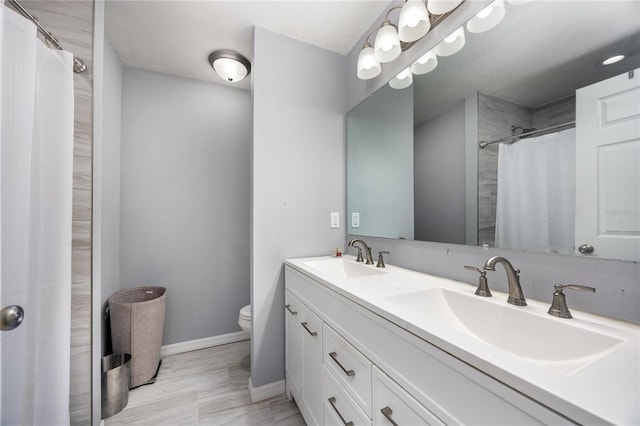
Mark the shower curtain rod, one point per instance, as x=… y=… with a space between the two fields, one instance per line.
x=533 y=132
x=78 y=64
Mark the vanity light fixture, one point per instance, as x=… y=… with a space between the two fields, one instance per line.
x=387 y=45
x=402 y=80
x=368 y=65
x=487 y=18
x=229 y=65
x=426 y=63
x=451 y=44
x=440 y=7
x=414 y=21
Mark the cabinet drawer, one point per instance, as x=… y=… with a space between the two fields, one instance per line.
x=349 y=366
x=393 y=405
x=338 y=407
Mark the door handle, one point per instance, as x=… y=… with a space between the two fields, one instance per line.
x=332 y=401
x=313 y=333
x=334 y=357
x=586 y=249
x=386 y=412
x=11 y=317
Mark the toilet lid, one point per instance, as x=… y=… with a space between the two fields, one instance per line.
x=246 y=312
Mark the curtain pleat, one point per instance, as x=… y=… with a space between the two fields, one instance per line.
x=536 y=194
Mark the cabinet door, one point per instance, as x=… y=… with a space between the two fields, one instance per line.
x=349 y=366
x=312 y=364
x=395 y=406
x=341 y=409
x=293 y=345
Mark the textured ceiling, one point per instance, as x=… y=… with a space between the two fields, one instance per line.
x=176 y=37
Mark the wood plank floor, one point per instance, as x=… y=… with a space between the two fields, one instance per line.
x=205 y=387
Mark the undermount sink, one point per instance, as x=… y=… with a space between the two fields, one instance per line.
x=344 y=268
x=514 y=329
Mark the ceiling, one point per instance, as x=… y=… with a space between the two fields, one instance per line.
x=176 y=37
x=542 y=51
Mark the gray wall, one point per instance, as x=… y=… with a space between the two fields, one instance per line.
x=439 y=158
x=185 y=199
x=110 y=180
x=554 y=113
x=298 y=177
x=380 y=164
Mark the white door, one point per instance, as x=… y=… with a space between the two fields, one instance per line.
x=608 y=168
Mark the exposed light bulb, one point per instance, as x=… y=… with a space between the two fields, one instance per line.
x=368 y=65
x=402 y=80
x=414 y=21
x=387 y=45
x=487 y=18
x=426 y=63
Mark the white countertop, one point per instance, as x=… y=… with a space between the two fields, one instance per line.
x=594 y=389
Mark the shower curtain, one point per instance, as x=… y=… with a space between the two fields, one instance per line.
x=536 y=194
x=36 y=163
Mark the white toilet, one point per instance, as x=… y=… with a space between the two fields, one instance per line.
x=244 y=320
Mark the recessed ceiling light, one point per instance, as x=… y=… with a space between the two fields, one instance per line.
x=613 y=59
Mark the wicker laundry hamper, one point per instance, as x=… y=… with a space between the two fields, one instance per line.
x=137 y=321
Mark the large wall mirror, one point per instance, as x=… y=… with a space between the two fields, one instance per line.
x=415 y=168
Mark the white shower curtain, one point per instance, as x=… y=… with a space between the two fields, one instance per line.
x=36 y=163
x=536 y=194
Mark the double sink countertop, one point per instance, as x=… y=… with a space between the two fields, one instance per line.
x=586 y=367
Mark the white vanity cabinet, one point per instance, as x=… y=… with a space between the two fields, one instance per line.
x=393 y=405
x=394 y=371
x=304 y=358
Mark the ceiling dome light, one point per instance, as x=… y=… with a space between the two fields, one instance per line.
x=402 y=80
x=414 y=21
x=368 y=65
x=426 y=63
x=613 y=59
x=487 y=18
x=230 y=65
x=440 y=7
x=452 y=44
x=387 y=45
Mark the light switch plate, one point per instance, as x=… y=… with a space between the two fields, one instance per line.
x=355 y=220
x=335 y=219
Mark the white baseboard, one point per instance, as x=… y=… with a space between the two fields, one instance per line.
x=207 y=342
x=265 y=392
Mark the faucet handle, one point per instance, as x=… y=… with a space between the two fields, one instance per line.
x=559 y=304
x=381 y=259
x=483 y=284
x=359 y=256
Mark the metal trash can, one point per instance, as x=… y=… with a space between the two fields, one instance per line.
x=137 y=322
x=115 y=383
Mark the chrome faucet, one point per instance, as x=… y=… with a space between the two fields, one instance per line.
x=559 y=304
x=367 y=250
x=513 y=279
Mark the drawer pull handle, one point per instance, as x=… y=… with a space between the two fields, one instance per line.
x=313 y=333
x=387 y=411
x=290 y=310
x=332 y=401
x=334 y=356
